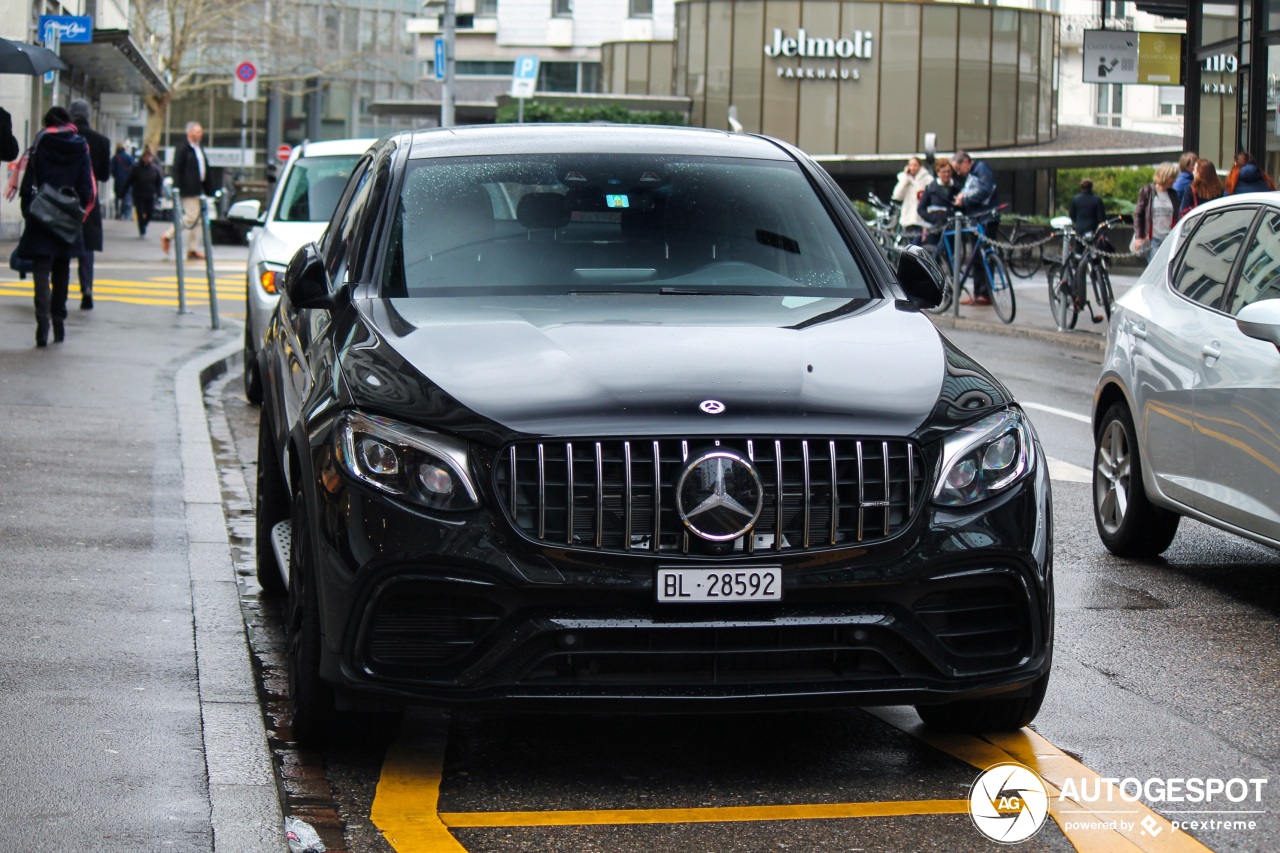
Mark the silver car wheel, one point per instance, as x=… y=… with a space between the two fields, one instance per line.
x=1111 y=477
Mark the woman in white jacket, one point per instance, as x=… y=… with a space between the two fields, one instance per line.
x=911 y=183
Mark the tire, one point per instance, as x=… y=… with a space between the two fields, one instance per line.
x=271 y=506
x=1061 y=305
x=1003 y=299
x=1026 y=257
x=311 y=705
x=998 y=714
x=1102 y=289
x=1128 y=523
x=252 y=379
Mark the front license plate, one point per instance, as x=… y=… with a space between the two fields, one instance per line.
x=728 y=584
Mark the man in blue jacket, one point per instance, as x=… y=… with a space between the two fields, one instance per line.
x=978 y=195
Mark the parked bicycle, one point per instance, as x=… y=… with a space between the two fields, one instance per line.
x=1082 y=267
x=885 y=229
x=977 y=254
x=1027 y=242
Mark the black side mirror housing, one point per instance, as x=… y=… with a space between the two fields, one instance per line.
x=307 y=281
x=921 y=277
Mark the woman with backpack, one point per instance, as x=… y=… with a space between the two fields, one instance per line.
x=59 y=158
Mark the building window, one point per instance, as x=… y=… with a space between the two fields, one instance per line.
x=1110 y=104
x=642 y=8
x=562 y=8
x=488 y=8
x=1172 y=101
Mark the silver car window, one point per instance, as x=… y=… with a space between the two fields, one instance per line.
x=1206 y=266
x=1260 y=275
x=631 y=222
x=313 y=187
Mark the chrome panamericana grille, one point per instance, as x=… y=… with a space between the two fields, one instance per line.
x=617 y=495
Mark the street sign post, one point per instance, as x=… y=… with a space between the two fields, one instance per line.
x=524 y=81
x=244 y=88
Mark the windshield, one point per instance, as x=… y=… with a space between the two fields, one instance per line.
x=312 y=188
x=590 y=223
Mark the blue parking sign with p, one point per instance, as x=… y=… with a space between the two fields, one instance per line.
x=526 y=68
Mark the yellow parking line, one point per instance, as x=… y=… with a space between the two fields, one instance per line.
x=408 y=793
x=723 y=814
x=1084 y=825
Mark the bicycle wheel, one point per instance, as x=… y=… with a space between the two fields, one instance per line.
x=1061 y=304
x=1102 y=289
x=944 y=264
x=1002 y=295
x=1025 y=257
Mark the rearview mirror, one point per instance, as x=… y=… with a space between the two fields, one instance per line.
x=921 y=277
x=1261 y=320
x=246 y=211
x=306 y=282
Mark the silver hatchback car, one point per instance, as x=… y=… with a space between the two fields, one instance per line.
x=298 y=212
x=1186 y=415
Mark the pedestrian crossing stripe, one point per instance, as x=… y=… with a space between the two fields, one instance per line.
x=158 y=291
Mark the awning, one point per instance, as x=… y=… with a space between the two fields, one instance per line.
x=113 y=62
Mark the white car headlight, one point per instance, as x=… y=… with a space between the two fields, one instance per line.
x=409 y=462
x=985 y=458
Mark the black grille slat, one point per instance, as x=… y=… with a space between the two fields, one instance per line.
x=617 y=495
x=986 y=621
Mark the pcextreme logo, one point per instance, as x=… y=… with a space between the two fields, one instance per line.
x=1008 y=803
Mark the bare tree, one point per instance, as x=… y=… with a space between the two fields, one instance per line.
x=196 y=42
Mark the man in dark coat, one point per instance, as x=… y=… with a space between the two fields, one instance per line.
x=193 y=177
x=1087 y=211
x=146 y=183
x=100 y=159
x=9 y=147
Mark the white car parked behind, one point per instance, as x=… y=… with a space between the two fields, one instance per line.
x=306 y=193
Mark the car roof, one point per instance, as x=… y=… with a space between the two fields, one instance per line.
x=335 y=147
x=1271 y=198
x=596 y=138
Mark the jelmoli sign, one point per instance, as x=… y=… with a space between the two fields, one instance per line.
x=804 y=46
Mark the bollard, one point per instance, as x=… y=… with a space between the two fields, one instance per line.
x=208 y=263
x=956 y=249
x=178 y=228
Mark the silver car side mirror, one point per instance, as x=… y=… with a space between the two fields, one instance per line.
x=1261 y=320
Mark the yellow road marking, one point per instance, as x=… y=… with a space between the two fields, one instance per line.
x=723 y=814
x=1082 y=823
x=408 y=794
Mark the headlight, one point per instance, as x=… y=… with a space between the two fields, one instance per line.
x=984 y=458
x=270 y=277
x=406 y=461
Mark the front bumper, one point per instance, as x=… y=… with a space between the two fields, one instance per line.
x=461 y=610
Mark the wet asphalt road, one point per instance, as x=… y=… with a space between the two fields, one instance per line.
x=1162 y=669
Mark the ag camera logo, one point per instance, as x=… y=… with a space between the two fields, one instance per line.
x=1008 y=803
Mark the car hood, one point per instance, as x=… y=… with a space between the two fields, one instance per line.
x=566 y=366
x=278 y=241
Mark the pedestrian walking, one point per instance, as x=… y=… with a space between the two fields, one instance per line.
x=59 y=157
x=100 y=159
x=1087 y=211
x=912 y=181
x=121 y=164
x=1205 y=186
x=193 y=178
x=9 y=147
x=145 y=184
x=1156 y=211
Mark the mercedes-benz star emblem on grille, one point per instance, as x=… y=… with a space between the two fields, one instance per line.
x=719 y=495
x=712 y=407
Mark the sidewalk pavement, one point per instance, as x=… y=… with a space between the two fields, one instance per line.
x=129 y=718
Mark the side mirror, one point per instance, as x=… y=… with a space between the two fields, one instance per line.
x=1261 y=320
x=249 y=211
x=306 y=282
x=921 y=277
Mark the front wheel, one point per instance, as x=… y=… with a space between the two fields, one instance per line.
x=252 y=379
x=1061 y=303
x=1003 y=299
x=271 y=507
x=940 y=255
x=998 y=714
x=1128 y=523
x=311 y=701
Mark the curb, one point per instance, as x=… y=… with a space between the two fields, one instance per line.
x=245 y=811
x=1076 y=340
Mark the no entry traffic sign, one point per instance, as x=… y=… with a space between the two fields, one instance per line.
x=282 y=152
